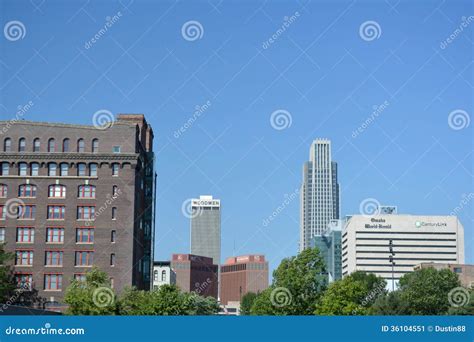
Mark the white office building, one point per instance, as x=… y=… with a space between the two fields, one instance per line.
x=163 y=274
x=319 y=193
x=390 y=245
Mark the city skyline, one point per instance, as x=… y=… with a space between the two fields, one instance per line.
x=235 y=113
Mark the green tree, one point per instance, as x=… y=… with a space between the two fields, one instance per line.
x=297 y=286
x=202 y=306
x=7 y=283
x=246 y=303
x=425 y=291
x=94 y=296
x=390 y=305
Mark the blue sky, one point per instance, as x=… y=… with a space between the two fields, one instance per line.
x=323 y=69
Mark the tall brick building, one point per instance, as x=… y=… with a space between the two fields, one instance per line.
x=73 y=197
x=243 y=274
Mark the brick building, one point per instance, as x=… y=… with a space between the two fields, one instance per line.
x=196 y=273
x=243 y=274
x=75 y=196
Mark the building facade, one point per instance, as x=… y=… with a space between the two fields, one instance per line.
x=319 y=193
x=196 y=273
x=465 y=272
x=329 y=245
x=206 y=228
x=163 y=274
x=391 y=245
x=242 y=274
x=73 y=197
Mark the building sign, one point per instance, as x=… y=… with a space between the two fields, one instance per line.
x=378 y=223
x=420 y=224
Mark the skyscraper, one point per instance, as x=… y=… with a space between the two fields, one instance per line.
x=206 y=228
x=319 y=194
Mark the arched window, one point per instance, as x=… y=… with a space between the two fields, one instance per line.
x=66 y=145
x=81 y=169
x=7 y=145
x=51 y=145
x=34 y=169
x=95 y=145
x=22 y=169
x=163 y=275
x=155 y=275
x=93 y=170
x=36 y=145
x=86 y=191
x=63 y=169
x=52 y=169
x=115 y=169
x=114 y=190
x=21 y=145
x=57 y=191
x=80 y=146
x=27 y=190
x=3 y=190
x=5 y=169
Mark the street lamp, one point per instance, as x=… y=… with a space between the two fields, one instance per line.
x=392 y=262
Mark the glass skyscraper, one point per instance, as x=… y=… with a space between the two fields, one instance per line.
x=329 y=245
x=319 y=193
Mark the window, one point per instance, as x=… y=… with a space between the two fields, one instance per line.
x=85 y=213
x=113 y=236
x=84 y=258
x=81 y=169
x=84 y=235
x=64 y=169
x=34 y=169
x=52 y=169
x=27 y=190
x=115 y=169
x=86 y=191
x=66 y=145
x=53 y=281
x=27 y=212
x=3 y=212
x=155 y=275
x=53 y=258
x=36 y=145
x=7 y=145
x=112 y=259
x=56 y=212
x=2 y=234
x=95 y=145
x=24 y=258
x=457 y=269
x=80 y=277
x=116 y=149
x=5 y=169
x=54 y=235
x=3 y=190
x=24 y=281
x=163 y=275
x=80 y=146
x=93 y=170
x=114 y=213
x=25 y=234
x=22 y=169
x=21 y=145
x=51 y=145
x=112 y=282
x=115 y=190
x=57 y=191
